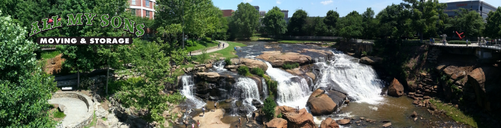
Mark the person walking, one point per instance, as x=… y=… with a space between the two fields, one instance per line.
x=223 y=45
x=215 y=105
x=203 y=111
x=239 y=121
x=198 y=123
x=192 y=125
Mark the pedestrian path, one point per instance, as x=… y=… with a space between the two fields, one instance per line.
x=211 y=49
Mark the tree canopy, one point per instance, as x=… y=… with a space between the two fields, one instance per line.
x=297 y=23
x=469 y=22
x=331 y=20
x=493 y=26
x=274 y=22
x=24 y=88
x=370 y=24
x=245 y=21
x=350 y=26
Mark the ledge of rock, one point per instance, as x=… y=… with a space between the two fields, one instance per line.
x=453 y=71
x=396 y=89
x=329 y=123
x=484 y=81
x=252 y=63
x=320 y=103
x=301 y=119
x=208 y=76
x=371 y=60
x=277 y=123
x=277 y=58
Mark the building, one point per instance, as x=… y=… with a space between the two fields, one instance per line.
x=262 y=13
x=227 y=13
x=286 y=13
x=480 y=6
x=143 y=8
x=257 y=8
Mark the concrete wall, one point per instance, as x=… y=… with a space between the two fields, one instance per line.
x=88 y=101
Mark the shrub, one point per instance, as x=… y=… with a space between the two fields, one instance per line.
x=290 y=66
x=269 y=108
x=257 y=71
x=227 y=61
x=243 y=70
x=272 y=85
x=208 y=39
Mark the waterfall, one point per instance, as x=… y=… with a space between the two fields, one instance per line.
x=219 y=66
x=292 y=90
x=246 y=90
x=359 y=81
x=265 y=88
x=187 y=91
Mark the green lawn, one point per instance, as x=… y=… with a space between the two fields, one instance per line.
x=59 y=114
x=229 y=52
x=257 y=37
x=49 y=55
x=198 y=45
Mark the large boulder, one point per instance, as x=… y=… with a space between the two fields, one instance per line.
x=329 y=123
x=277 y=58
x=209 y=76
x=453 y=71
x=252 y=63
x=371 y=60
x=320 y=103
x=396 y=89
x=277 y=123
x=301 y=119
x=484 y=81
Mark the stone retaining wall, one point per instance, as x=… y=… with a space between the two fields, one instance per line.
x=87 y=100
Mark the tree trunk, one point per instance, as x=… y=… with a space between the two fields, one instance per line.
x=78 y=78
x=107 y=77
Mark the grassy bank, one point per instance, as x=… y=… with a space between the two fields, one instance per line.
x=455 y=113
x=198 y=45
x=227 y=52
x=49 y=55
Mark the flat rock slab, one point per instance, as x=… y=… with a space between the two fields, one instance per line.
x=75 y=109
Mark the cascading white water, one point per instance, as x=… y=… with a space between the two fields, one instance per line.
x=265 y=88
x=219 y=66
x=292 y=90
x=359 y=81
x=246 y=90
x=187 y=91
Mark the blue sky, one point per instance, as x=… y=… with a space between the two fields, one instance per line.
x=320 y=7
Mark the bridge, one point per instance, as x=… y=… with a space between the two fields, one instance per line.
x=482 y=50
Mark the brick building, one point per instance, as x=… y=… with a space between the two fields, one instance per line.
x=143 y=8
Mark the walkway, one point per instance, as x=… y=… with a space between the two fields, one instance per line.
x=211 y=49
x=473 y=45
x=75 y=110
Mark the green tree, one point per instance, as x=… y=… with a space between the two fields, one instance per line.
x=24 y=87
x=350 y=26
x=469 y=22
x=331 y=20
x=269 y=108
x=394 y=22
x=274 y=22
x=317 y=27
x=370 y=24
x=493 y=26
x=297 y=23
x=244 y=21
x=425 y=16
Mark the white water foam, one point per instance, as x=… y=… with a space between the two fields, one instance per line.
x=359 y=81
x=293 y=91
x=187 y=91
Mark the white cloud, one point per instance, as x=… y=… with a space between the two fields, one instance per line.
x=326 y=2
x=278 y=2
x=247 y=1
